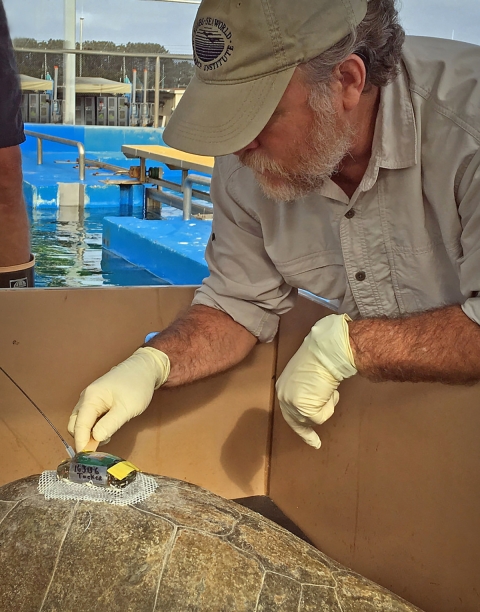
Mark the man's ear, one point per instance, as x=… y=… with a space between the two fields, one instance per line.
x=351 y=75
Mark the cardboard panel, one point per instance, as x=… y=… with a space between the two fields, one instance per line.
x=394 y=490
x=53 y=342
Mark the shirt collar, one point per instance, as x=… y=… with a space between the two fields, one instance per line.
x=395 y=137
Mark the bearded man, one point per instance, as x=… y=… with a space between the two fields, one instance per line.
x=347 y=164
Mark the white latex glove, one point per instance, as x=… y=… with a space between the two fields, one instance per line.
x=121 y=394
x=307 y=388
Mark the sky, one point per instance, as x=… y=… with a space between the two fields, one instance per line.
x=169 y=24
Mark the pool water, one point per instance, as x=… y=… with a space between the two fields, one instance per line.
x=67 y=243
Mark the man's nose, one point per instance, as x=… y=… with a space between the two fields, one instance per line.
x=253 y=145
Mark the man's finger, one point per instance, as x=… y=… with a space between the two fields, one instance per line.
x=91 y=445
x=326 y=411
x=306 y=433
x=86 y=413
x=82 y=438
x=109 y=424
x=71 y=423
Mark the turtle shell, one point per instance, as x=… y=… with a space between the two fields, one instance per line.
x=183 y=549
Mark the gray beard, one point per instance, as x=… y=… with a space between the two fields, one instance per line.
x=319 y=158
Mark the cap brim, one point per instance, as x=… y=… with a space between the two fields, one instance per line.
x=218 y=119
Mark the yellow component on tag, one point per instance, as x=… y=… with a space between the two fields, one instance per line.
x=122 y=470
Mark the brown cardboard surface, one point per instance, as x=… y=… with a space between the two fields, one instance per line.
x=53 y=342
x=394 y=492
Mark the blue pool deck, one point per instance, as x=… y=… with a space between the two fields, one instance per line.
x=170 y=249
x=42 y=183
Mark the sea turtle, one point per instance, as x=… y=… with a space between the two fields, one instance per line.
x=183 y=549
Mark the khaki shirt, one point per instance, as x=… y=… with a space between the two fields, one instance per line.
x=409 y=238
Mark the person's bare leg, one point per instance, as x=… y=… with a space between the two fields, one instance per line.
x=14 y=226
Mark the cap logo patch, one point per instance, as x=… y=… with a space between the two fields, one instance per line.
x=212 y=43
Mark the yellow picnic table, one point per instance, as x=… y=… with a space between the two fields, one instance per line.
x=173 y=158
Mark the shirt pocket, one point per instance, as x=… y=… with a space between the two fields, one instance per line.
x=321 y=273
x=429 y=277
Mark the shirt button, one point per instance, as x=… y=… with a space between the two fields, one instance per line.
x=360 y=276
x=350 y=213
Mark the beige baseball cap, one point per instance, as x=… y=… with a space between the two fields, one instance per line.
x=245 y=53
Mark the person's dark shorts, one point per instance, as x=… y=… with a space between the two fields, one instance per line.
x=11 y=122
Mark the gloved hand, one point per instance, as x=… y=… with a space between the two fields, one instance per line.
x=121 y=394
x=307 y=388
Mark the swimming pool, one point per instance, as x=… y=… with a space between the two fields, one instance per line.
x=67 y=243
x=66 y=227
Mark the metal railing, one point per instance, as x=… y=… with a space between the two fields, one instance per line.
x=70 y=143
x=81 y=52
x=187 y=192
x=183 y=203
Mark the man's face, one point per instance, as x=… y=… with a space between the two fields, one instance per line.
x=301 y=146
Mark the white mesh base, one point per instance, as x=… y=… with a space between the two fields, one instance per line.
x=52 y=488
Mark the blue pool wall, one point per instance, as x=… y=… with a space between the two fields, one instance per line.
x=41 y=183
x=96 y=138
x=171 y=249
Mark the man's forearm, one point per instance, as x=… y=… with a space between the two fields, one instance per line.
x=14 y=227
x=440 y=345
x=203 y=342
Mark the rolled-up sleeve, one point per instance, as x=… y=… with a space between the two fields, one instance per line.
x=469 y=211
x=243 y=281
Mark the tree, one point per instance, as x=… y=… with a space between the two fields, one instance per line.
x=173 y=73
x=33 y=64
